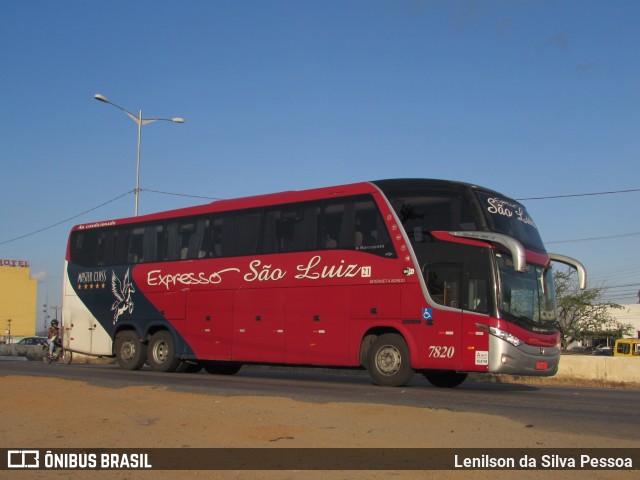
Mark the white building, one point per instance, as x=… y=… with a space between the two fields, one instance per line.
x=630 y=313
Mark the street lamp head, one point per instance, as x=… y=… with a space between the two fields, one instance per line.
x=140 y=121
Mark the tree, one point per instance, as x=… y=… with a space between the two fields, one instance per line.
x=582 y=314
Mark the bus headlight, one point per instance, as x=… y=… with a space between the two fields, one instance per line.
x=515 y=341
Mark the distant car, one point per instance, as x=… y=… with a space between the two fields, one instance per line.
x=33 y=341
x=604 y=351
x=580 y=350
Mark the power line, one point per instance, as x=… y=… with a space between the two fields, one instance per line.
x=608 y=237
x=179 y=194
x=215 y=198
x=65 y=220
x=613 y=192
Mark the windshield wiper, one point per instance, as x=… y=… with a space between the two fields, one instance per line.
x=529 y=323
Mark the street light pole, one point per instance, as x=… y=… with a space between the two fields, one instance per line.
x=140 y=121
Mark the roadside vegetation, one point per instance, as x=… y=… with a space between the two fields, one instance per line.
x=583 y=315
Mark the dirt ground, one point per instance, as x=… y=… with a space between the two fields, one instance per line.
x=54 y=413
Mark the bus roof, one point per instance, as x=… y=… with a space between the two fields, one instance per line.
x=256 y=201
x=291 y=196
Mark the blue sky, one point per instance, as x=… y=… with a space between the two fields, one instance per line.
x=530 y=98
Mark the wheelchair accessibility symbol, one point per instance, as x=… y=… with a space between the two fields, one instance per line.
x=427 y=313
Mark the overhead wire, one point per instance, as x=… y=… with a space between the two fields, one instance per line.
x=48 y=227
x=550 y=197
x=65 y=220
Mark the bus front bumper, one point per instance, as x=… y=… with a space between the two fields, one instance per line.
x=524 y=359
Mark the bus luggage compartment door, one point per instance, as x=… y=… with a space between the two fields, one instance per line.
x=209 y=321
x=316 y=323
x=259 y=325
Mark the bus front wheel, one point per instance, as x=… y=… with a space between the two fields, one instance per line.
x=445 y=379
x=130 y=352
x=162 y=352
x=389 y=361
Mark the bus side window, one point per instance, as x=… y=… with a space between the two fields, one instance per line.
x=185 y=231
x=117 y=250
x=240 y=233
x=290 y=228
x=355 y=223
x=155 y=242
x=371 y=232
x=216 y=237
x=103 y=242
x=477 y=295
x=171 y=249
x=81 y=249
x=332 y=220
x=136 y=246
x=443 y=283
x=206 y=249
x=196 y=239
x=440 y=210
x=339 y=229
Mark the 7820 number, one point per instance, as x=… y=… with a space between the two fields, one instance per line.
x=436 y=351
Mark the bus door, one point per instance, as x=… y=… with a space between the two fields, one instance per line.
x=209 y=322
x=317 y=326
x=475 y=341
x=259 y=325
x=464 y=287
x=442 y=337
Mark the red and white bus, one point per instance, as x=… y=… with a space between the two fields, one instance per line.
x=396 y=276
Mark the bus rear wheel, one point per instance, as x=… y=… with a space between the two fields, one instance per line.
x=445 y=379
x=389 y=361
x=130 y=352
x=162 y=352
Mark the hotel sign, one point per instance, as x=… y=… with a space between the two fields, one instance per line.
x=14 y=263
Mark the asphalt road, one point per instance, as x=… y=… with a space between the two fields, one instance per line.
x=606 y=412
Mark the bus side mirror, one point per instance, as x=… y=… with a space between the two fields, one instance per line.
x=572 y=262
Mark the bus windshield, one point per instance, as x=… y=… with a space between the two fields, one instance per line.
x=508 y=217
x=526 y=298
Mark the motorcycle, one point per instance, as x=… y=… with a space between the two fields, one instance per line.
x=59 y=353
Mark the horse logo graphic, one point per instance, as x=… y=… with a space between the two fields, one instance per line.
x=122 y=291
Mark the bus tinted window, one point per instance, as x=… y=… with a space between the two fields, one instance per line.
x=291 y=228
x=100 y=247
x=355 y=223
x=350 y=223
x=237 y=234
x=422 y=212
x=508 y=217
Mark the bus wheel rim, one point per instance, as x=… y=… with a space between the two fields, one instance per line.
x=388 y=360
x=128 y=350
x=160 y=352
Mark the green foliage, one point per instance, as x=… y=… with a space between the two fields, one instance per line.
x=582 y=314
